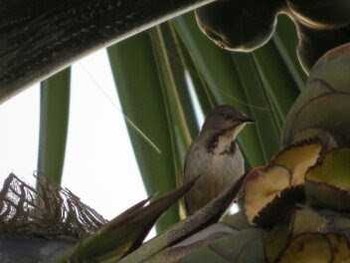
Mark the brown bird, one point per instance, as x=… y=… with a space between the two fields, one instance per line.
x=214 y=156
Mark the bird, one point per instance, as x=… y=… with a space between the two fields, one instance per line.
x=214 y=156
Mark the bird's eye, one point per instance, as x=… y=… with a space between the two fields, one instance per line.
x=226 y=116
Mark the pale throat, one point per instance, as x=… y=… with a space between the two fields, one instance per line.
x=226 y=139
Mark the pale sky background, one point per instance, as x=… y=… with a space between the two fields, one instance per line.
x=100 y=166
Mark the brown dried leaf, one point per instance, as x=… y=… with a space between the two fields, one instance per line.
x=49 y=211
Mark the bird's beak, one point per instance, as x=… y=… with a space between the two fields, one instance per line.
x=247 y=120
x=240 y=125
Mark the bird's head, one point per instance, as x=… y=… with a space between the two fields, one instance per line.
x=225 y=118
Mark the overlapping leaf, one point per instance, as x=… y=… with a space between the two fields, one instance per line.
x=126 y=232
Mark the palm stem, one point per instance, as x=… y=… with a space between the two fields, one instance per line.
x=38 y=38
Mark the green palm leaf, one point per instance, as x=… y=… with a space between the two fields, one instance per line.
x=54 y=112
x=140 y=92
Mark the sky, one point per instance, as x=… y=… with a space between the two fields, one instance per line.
x=100 y=166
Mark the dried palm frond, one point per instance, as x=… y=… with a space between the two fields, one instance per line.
x=48 y=211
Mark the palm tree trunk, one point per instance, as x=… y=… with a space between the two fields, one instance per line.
x=38 y=38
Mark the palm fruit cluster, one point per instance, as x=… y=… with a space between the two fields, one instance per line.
x=302 y=197
x=247 y=25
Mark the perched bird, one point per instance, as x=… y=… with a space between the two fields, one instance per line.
x=214 y=156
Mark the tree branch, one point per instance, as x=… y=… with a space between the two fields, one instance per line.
x=40 y=37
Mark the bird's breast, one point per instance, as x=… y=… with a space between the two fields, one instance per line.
x=216 y=172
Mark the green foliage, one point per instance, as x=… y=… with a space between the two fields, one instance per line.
x=54 y=113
